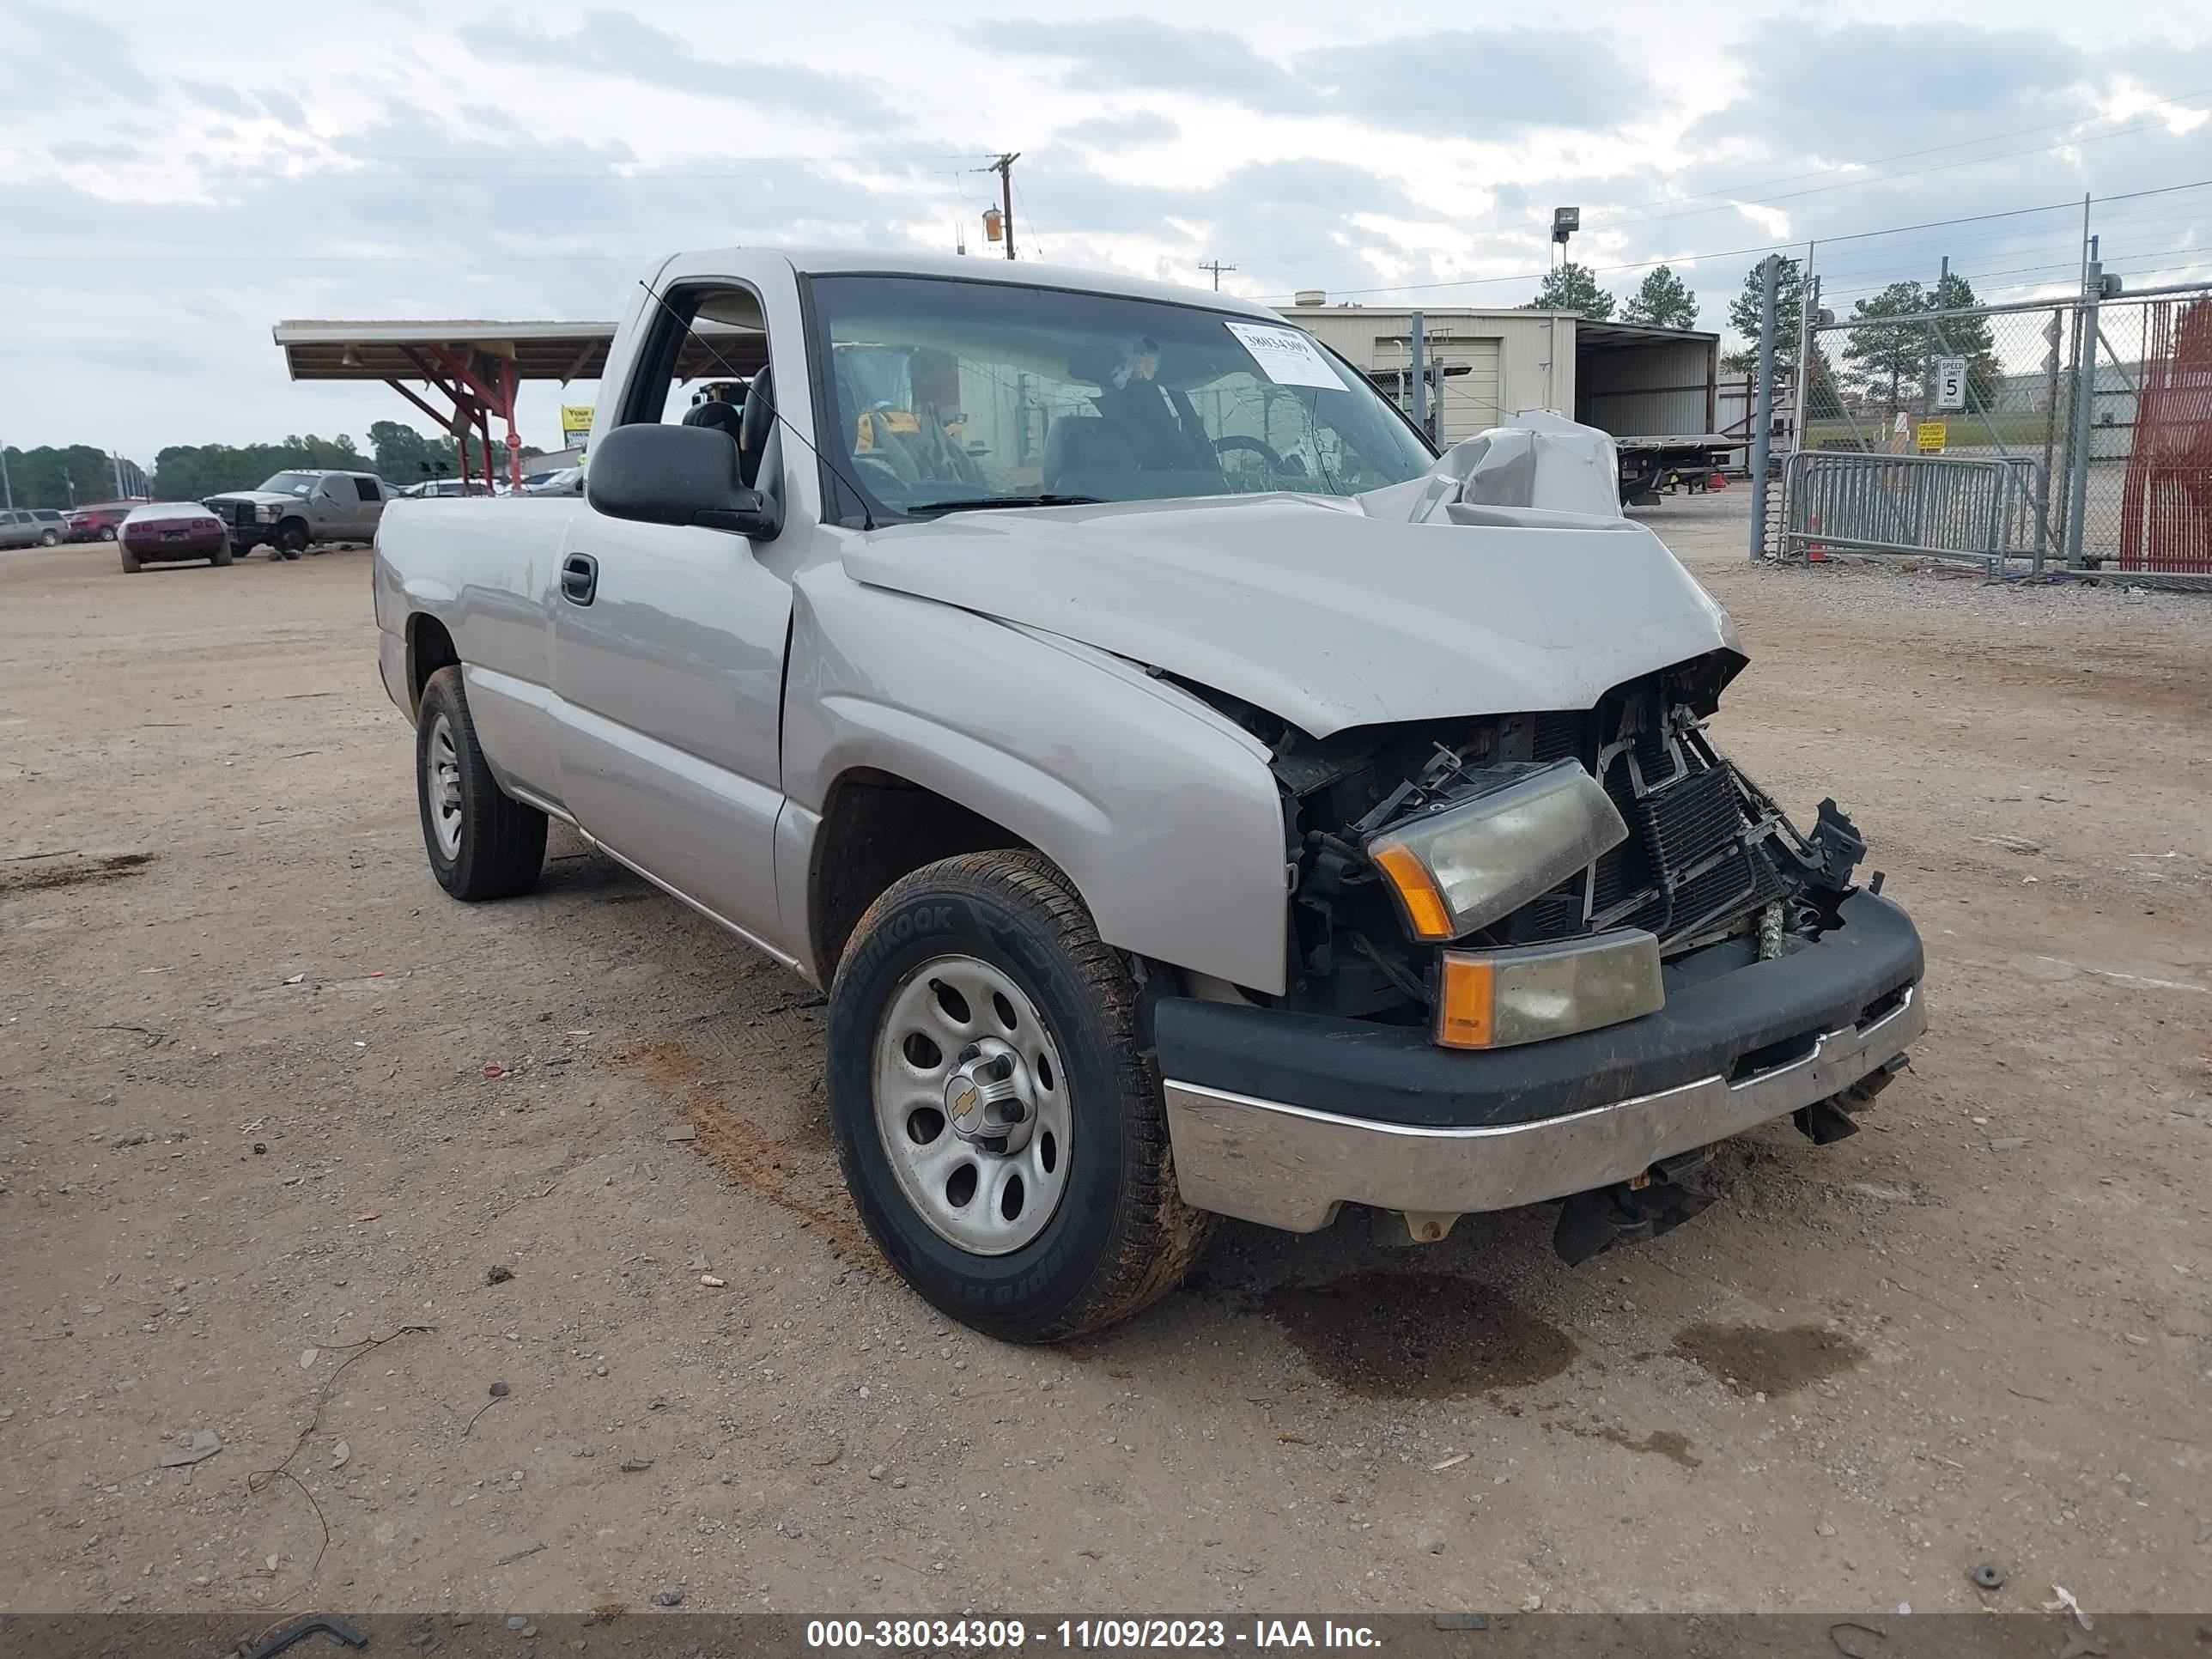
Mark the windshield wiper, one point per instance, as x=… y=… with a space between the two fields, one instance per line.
x=970 y=503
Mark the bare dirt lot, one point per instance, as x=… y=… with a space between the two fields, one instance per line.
x=267 y=1096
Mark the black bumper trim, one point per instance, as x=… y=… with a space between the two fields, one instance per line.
x=1720 y=1009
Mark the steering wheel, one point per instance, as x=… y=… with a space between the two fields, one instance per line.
x=1238 y=442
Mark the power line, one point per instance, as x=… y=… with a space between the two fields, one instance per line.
x=1031 y=219
x=2132 y=263
x=1735 y=200
x=532 y=169
x=1906 y=156
x=1888 y=177
x=1770 y=247
x=1999 y=243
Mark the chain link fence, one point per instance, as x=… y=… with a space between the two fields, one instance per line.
x=2099 y=409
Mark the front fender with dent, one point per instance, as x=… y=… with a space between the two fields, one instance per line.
x=1162 y=813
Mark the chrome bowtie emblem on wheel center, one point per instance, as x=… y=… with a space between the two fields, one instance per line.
x=987 y=1098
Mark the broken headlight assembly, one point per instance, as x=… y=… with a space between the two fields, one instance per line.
x=1473 y=861
x=1499 y=879
x=1498 y=998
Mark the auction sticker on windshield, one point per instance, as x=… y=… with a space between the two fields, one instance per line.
x=1287 y=356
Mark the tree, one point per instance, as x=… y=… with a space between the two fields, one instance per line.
x=405 y=456
x=1664 y=301
x=400 y=451
x=1788 y=317
x=1965 y=337
x=195 y=472
x=1823 y=399
x=1882 y=357
x=74 y=476
x=1572 y=287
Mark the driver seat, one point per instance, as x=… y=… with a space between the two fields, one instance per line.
x=725 y=417
x=1079 y=445
x=753 y=431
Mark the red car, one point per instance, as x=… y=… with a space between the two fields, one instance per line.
x=100 y=521
x=161 y=531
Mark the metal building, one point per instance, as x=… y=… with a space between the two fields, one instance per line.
x=1624 y=377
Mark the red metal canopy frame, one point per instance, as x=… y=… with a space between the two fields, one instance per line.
x=478 y=390
x=478 y=365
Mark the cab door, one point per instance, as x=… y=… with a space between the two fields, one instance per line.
x=668 y=654
x=368 y=506
x=332 y=506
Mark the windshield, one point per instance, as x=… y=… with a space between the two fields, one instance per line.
x=290 y=483
x=952 y=393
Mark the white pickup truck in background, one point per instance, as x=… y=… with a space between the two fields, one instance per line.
x=1197 y=797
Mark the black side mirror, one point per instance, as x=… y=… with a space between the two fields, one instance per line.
x=677 y=475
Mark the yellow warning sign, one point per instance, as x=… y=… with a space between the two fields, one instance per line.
x=1930 y=439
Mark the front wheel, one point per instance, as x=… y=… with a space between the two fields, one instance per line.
x=483 y=844
x=1001 y=1127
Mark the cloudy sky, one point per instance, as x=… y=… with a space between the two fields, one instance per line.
x=174 y=179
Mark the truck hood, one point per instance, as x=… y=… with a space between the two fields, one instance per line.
x=1308 y=607
x=259 y=497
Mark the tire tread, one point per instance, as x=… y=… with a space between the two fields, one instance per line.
x=1161 y=1238
x=502 y=840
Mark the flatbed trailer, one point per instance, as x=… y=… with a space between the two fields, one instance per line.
x=1648 y=463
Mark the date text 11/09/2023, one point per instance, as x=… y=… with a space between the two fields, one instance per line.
x=1085 y=1635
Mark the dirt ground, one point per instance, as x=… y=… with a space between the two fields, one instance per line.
x=267 y=1097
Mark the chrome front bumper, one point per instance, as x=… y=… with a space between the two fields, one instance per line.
x=1292 y=1167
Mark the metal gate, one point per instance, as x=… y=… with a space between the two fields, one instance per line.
x=2077 y=431
x=2165 y=500
x=1980 y=509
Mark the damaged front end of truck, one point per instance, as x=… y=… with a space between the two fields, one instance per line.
x=1691 y=870
x=1548 y=955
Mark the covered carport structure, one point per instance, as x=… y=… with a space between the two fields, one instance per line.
x=478 y=365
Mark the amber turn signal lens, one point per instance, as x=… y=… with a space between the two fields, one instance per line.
x=1424 y=906
x=1466 y=1002
x=1527 y=993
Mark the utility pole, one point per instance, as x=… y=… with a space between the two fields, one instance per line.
x=1762 y=430
x=2085 y=409
x=1216 y=268
x=1417 y=372
x=6 y=490
x=1808 y=323
x=1004 y=167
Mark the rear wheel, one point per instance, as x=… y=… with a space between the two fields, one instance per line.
x=1001 y=1127
x=222 y=556
x=482 y=843
x=50 y=538
x=130 y=565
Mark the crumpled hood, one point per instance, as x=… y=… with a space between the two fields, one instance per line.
x=1310 y=609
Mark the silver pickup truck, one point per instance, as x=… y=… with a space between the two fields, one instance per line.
x=1197 y=797
x=292 y=512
